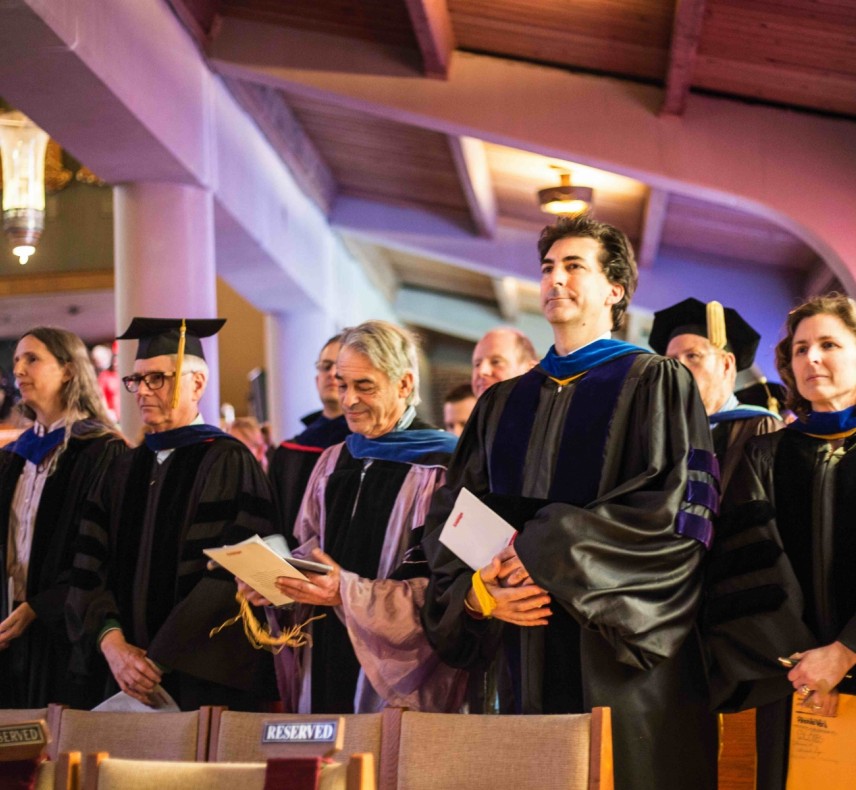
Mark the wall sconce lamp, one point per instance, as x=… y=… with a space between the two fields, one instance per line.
x=22 y=148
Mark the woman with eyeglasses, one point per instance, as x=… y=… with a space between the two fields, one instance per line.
x=45 y=477
x=782 y=578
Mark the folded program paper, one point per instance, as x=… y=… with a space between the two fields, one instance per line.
x=474 y=532
x=256 y=563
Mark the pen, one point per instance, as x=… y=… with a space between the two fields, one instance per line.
x=790 y=663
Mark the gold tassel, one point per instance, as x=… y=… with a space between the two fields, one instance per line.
x=772 y=403
x=716 y=324
x=179 y=360
x=259 y=636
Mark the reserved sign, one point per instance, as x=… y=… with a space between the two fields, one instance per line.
x=22 y=741
x=300 y=732
x=18 y=734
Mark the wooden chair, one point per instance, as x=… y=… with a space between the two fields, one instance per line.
x=440 y=751
x=236 y=737
x=118 y=774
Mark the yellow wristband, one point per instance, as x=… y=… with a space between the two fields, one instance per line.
x=486 y=601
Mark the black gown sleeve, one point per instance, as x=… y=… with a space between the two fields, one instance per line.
x=753 y=601
x=460 y=640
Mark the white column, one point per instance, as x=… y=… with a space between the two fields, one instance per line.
x=293 y=342
x=164 y=263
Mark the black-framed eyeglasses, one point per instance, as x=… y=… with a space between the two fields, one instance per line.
x=324 y=365
x=154 y=380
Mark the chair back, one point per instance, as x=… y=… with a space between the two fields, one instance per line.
x=156 y=736
x=440 y=751
x=237 y=737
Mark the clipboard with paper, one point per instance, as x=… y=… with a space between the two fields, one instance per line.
x=823 y=748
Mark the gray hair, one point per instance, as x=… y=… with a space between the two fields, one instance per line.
x=192 y=364
x=389 y=348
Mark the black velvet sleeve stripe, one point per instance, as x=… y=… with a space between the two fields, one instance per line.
x=228 y=510
x=750 y=514
x=746 y=559
x=94 y=513
x=89 y=546
x=84 y=579
x=255 y=506
x=211 y=512
x=745 y=603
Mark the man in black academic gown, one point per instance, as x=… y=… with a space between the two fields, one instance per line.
x=294 y=460
x=141 y=592
x=602 y=456
x=715 y=343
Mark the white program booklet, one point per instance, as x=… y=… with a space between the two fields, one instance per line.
x=256 y=563
x=474 y=532
x=162 y=702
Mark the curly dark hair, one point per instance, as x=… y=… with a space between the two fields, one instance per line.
x=616 y=258
x=833 y=304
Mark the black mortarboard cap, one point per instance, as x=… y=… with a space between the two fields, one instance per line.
x=160 y=336
x=690 y=318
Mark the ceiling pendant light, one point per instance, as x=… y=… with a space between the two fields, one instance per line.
x=565 y=199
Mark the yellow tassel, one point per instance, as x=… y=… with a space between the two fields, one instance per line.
x=772 y=403
x=487 y=603
x=179 y=360
x=716 y=324
x=260 y=636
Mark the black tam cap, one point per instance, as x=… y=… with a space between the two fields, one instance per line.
x=159 y=336
x=690 y=317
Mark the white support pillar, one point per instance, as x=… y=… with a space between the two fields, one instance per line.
x=293 y=342
x=164 y=262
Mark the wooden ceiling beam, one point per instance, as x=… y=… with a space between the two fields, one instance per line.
x=652 y=227
x=432 y=25
x=686 y=34
x=267 y=107
x=471 y=165
x=199 y=18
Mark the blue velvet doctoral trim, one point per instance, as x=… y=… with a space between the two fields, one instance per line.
x=587 y=358
x=184 y=437
x=404 y=446
x=826 y=423
x=703 y=461
x=745 y=412
x=700 y=492
x=693 y=526
x=34 y=448
x=579 y=461
x=323 y=432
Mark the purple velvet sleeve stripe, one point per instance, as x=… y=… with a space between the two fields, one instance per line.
x=701 y=493
x=703 y=461
x=697 y=527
